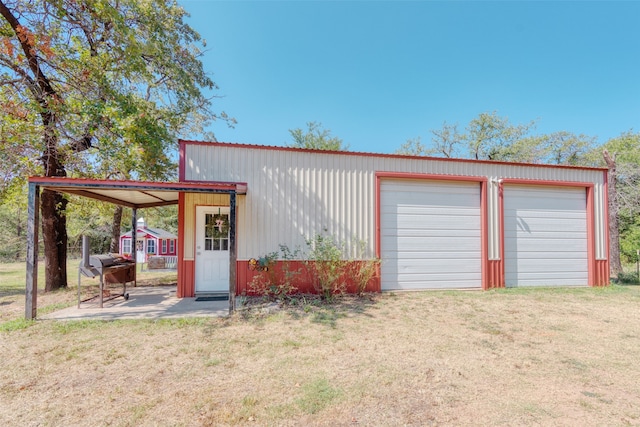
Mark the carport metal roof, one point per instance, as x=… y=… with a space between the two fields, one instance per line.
x=135 y=194
x=132 y=194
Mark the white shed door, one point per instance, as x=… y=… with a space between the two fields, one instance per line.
x=212 y=249
x=545 y=236
x=430 y=235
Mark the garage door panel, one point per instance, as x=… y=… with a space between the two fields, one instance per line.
x=545 y=236
x=552 y=244
x=425 y=235
x=430 y=265
x=428 y=210
x=550 y=265
x=562 y=279
x=546 y=214
x=553 y=202
x=430 y=235
x=449 y=222
x=431 y=280
x=550 y=232
x=546 y=224
x=572 y=255
x=453 y=245
x=438 y=282
x=433 y=254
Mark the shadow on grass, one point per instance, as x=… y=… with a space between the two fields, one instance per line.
x=626 y=279
x=11 y=291
x=318 y=310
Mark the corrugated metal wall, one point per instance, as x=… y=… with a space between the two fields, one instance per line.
x=293 y=194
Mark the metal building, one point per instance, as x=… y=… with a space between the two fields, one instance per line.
x=434 y=223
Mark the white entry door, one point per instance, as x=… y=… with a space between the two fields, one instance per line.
x=212 y=249
x=140 y=251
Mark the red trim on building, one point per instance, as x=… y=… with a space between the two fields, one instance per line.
x=484 y=235
x=303 y=281
x=222 y=186
x=601 y=272
x=495 y=274
x=591 y=245
x=482 y=180
x=181 y=290
x=607 y=242
x=181 y=160
x=187 y=276
x=503 y=280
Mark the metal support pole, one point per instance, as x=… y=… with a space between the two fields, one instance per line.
x=232 y=252
x=134 y=245
x=31 y=291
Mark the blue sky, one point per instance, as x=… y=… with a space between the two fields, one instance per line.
x=380 y=72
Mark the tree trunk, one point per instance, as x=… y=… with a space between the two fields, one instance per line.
x=615 y=266
x=54 y=233
x=53 y=206
x=115 y=230
x=19 y=229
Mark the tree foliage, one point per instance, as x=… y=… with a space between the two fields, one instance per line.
x=622 y=156
x=97 y=87
x=492 y=137
x=316 y=138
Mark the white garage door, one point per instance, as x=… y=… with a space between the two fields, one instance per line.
x=545 y=236
x=430 y=235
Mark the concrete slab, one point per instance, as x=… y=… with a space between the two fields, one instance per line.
x=153 y=302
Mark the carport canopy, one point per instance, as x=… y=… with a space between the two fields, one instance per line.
x=133 y=194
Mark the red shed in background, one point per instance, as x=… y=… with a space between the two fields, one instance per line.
x=150 y=242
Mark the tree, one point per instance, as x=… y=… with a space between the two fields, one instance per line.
x=557 y=148
x=316 y=138
x=445 y=142
x=622 y=156
x=615 y=265
x=486 y=137
x=14 y=224
x=414 y=147
x=489 y=136
x=92 y=80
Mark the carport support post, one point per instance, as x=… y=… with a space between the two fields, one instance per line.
x=31 y=291
x=134 y=244
x=232 y=252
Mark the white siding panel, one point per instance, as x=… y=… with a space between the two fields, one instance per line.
x=545 y=236
x=430 y=235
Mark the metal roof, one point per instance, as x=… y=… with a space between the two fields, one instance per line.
x=135 y=194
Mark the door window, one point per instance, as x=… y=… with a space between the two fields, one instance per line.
x=216 y=232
